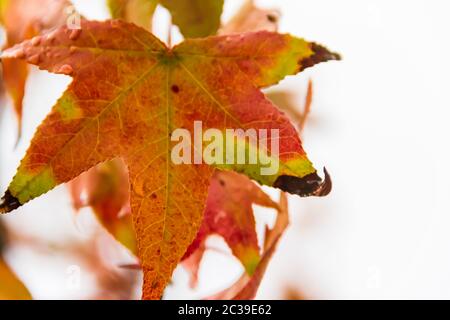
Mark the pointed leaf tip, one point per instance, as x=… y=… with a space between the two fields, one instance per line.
x=8 y=203
x=309 y=185
x=320 y=54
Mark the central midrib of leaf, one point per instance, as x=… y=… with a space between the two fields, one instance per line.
x=169 y=130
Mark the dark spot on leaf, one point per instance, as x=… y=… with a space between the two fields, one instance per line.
x=175 y=88
x=222 y=183
x=272 y=18
x=9 y=203
x=321 y=54
x=154 y=196
x=309 y=185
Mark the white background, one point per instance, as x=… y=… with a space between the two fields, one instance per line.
x=380 y=126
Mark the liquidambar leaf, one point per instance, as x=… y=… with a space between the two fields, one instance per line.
x=130 y=92
x=24 y=19
x=195 y=18
x=229 y=214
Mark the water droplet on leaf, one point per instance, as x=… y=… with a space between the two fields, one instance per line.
x=74 y=34
x=34 y=59
x=66 y=69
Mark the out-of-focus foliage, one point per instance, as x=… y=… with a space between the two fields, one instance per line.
x=195 y=18
x=139 y=12
x=246 y=286
x=24 y=19
x=229 y=213
x=11 y=288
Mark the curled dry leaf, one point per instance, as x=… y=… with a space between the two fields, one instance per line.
x=24 y=19
x=130 y=92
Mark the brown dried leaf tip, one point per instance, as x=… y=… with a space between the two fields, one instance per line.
x=309 y=185
x=321 y=54
x=9 y=203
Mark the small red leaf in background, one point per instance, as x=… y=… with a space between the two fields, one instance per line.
x=247 y=286
x=229 y=213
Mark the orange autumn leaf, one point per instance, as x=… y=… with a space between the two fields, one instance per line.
x=24 y=19
x=239 y=231
x=229 y=213
x=130 y=92
x=248 y=18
